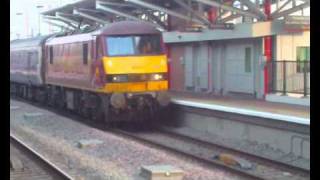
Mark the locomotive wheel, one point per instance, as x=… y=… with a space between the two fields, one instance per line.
x=42 y=96
x=20 y=91
x=31 y=93
x=60 y=103
x=17 y=90
x=24 y=92
x=106 y=109
x=154 y=113
x=27 y=95
x=77 y=103
x=47 y=96
x=85 y=112
x=60 y=99
x=98 y=111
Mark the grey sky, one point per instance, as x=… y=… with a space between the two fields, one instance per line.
x=27 y=22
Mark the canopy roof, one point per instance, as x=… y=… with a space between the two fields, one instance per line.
x=98 y=13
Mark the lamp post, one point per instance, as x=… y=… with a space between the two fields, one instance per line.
x=18 y=14
x=11 y=35
x=39 y=25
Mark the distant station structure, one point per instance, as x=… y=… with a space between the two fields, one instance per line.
x=259 y=48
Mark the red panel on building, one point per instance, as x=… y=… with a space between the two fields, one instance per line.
x=177 y=68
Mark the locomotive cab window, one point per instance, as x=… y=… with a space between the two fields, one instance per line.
x=117 y=46
x=85 y=53
x=133 y=45
x=148 y=44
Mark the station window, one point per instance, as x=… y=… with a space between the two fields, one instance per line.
x=85 y=53
x=248 y=60
x=51 y=54
x=303 y=59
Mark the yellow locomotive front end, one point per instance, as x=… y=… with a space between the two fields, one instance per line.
x=135 y=68
x=136 y=74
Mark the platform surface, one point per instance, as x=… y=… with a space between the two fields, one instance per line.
x=246 y=106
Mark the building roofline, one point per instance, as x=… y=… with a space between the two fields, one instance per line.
x=244 y=30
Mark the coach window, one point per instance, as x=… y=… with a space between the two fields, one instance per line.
x=51 y=54
x=85 y=53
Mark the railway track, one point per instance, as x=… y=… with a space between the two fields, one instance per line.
x=265 y=160
x=203 y=151
x=28 y=164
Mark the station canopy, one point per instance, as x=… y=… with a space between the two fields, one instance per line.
x=92 y=14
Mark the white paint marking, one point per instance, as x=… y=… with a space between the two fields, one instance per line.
x=279 y=117
x=14 y=107
x=32 y=116
x=87 y=143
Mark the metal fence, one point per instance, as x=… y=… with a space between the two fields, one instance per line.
x=289 y=77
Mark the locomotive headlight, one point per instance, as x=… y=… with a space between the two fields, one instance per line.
x=117 y=78
x=156 y=77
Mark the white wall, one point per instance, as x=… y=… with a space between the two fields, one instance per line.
x=288 y=43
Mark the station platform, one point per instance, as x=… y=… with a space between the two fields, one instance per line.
x=245 y=106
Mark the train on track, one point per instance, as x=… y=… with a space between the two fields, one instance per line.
x=117 y=73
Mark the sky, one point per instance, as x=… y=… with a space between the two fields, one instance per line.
x=26 y=25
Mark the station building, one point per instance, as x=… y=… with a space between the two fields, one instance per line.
x=226 y=62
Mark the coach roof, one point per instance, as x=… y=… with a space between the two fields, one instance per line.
x=30 y=42
x=129 y=27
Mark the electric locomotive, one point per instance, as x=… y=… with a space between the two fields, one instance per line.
x=117 y=73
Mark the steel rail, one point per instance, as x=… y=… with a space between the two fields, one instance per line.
x=211 y=162
x=199 y=158
x=242 y=153
x=38 y=157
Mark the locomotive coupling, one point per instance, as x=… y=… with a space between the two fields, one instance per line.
x=163 y=98
x=120 y=100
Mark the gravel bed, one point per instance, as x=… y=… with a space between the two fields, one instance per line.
x=263 y=150
x=116 y=158
x=266 y=172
